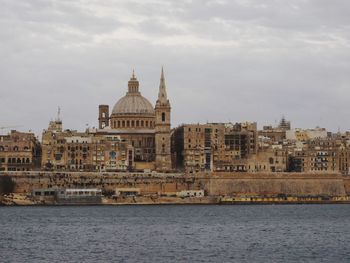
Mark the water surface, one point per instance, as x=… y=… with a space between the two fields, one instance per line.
x=250 y=233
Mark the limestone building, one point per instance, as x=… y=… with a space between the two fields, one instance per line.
x=143 y=126
x=19 y=151
x=214 y=146
x=83 y=151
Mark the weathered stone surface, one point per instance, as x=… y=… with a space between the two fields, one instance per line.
x=215 y=184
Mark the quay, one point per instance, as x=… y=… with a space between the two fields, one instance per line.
x=166 y=188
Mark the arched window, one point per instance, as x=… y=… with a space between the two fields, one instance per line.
x=137 y=123
x=19 y=160
x=163 y=116
x=146 y=123
x=132 y=123
x=123 y=123
x=2 y=148
x=127 y=123
x=118 y=124
x=15 y=148
x=163 y=148
x=142 y=123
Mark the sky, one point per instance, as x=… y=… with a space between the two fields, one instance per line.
x=224 y=60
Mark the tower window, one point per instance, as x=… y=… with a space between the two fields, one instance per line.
x=163 y=116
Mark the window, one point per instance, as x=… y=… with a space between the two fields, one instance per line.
x=163 y=116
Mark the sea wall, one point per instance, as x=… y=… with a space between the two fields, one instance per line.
x=215 y=184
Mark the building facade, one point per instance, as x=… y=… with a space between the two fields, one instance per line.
x=19 y=151
x=84 y=151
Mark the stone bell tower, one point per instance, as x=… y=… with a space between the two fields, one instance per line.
x=162 y=128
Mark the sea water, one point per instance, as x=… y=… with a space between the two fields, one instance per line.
x=176 y=233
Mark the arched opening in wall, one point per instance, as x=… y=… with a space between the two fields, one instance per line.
x=123 y=124
x=137 y=123
x=128 y=124
x=146 y=123
x=142 y=123
x=19 y=160
x=27 y=160
x=2 y=148
x=115 y=124
x=15 y=148
x=163 y=116
x=132 y=123
x=118 y=124
x=163 y=148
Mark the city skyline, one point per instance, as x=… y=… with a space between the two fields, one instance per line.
x=224 y=61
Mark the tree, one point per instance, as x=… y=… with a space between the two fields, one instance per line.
x=7 y=185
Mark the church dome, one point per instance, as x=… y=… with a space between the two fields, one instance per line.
x=133 y=103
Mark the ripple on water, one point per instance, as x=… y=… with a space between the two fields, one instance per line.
x=175 y=234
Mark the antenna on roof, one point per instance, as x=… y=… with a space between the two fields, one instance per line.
x=58 y=114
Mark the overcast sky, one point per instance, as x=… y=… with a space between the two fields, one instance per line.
x=235 y=61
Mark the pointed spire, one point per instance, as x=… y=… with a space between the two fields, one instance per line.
x=162 y=96
x=162 y=74
x=133 y=74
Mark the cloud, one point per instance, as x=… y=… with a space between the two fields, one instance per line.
x=224 y=60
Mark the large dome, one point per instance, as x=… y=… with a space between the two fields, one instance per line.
x=133 y=104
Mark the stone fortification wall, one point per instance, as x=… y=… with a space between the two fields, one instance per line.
x=298 y=184
x=149 y=183
x=297 y=187
x=217 y=184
